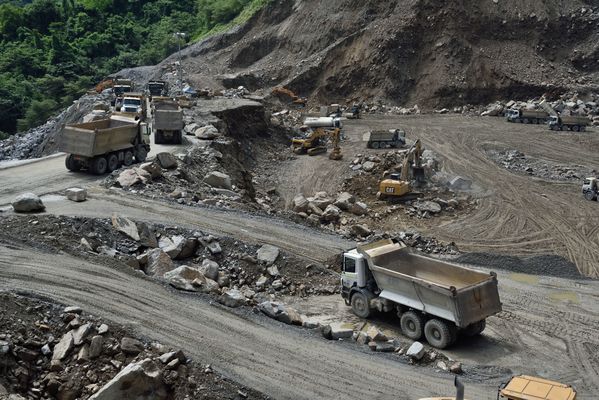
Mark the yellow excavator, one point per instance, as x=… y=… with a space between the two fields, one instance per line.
x=284 y=93
x=316 y=143
x=397 y=186
x=522 y=387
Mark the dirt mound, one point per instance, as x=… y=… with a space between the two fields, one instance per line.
x=428 y=52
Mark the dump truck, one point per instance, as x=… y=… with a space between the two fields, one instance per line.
x=525 y=116
x=168 y=122
x=119 y=88
x=574 y=123
x=104 y=145
x=157 y=88
x=385 y=138
x=522 y=387
x=433 y=298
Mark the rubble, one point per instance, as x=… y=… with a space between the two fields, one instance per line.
x=134 y=381
x=232 y=298
x=185 y=278
x=416 y=351
x=28 y=202
x=126 y=226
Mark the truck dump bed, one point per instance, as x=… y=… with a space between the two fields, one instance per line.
x=532 y=388
x=575 y=120
x=437 y=287
x=168 y=116
x=99 y=137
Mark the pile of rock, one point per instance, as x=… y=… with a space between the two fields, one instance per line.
x=426 y=244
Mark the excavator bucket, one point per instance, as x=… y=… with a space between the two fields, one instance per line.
x=418 y=174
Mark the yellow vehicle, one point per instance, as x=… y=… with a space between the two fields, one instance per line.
x=398 y=186
x=523 y=387
x=315 y=143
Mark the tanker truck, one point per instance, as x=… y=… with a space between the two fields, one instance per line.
x=432 y=298
x=104 y=145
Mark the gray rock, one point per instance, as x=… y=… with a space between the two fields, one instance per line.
x=178 y=247
x=261 y=281
x=64 y=346
x=142 y=380
x=183 y=278
x=159 y=263
x=227 y=193
x=131 y=346
x=28 y=202
x=362 y=338
x=103 y=329
x=280 y=312
x=4 y=347
x=207 y=132
x=344 y=201
x=95 y=346
x=76 y=194
x=300 y=203
x=146 y=236
x=218 y=180
x=460 y=183
x=321 y=200
x=368 y=166
x=152 y=168
x=360 y=230
x=268 y=254
x=376 y=335
x=273 y=271
x=214 y=248
x=331 y=213
x=125 y=226
x=72 y=310
x=232 y=298
x=416 y=351
x=166 y=160
x=46 y=350
x=210 y=269
x=430 y=206
x=81 y=333
x=385 y=347
x=132 y=176
x=358 y=208
x=341 y=330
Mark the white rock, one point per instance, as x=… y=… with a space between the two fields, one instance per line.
x=76 y=194
x=218 y=180
x=125 y=226
x=268 y=254
x=232 y=298
x=135 y=381
x=416 y=351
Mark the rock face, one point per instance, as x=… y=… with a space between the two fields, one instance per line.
x=28 y=202
x=76 y=194
x=166 y=160
x=218 y=180
x=137 y=381
x=268 y=254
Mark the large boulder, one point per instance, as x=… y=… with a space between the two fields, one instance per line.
x=218 y=180
x=210 y=269
x=268 y=254
x=185 y=278
x=320 y=200
x=300 y=203
x=178 y=247
x=207 y=132
x=460 y=183
x=76 y=194
x=416 y=351
x=159 y=263
x=280 y=312
x=28 y=202
x=166 y=160
x=137 y=381
x=125 y=226
x=232 y=298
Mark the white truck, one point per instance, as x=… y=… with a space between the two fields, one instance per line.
x=433 y=298
x=525 y=116
x=574 y=123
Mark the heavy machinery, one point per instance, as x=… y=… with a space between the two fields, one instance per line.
x=398 y=186
x=157 y=88
x=168 y=122
x=385 y=138
x=284 y=93
x=574 y=123
x=522 y=387
x=104 y=145
x=590 y=188
x=526 y=116
x=134 y=103
x=433 y=298
x=316 y=143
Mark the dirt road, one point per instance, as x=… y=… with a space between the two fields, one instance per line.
x=516 y=215
x=283 y=362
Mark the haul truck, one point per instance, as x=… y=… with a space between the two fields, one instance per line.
x=574 y=123
x=525 y=116
x=104 y=145
x=433 y=298
x=385 y=138
x=168 y=122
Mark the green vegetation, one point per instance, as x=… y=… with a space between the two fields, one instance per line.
x=52 y=51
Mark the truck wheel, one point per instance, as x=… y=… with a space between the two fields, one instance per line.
x=437 y=333
x=583 y=128
x=141 y=154
x=360 y=305
x=128 y=158
x=72 y=164
x=590 y=195
x=576 y=128
x=178 y=137
x=376 y=145
x=476 y=328
x=411 y=325
x=99 y=165
x=113 y=162
x=525 y=121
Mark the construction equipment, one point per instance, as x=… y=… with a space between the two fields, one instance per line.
x=525 y=116
x=398 y=186
x=385 y=138
x=284 y=93
x=590 y=188
x=315 y=143
x=104 y=145
x=105 y=84
x=134 y=103
x=434 y=298
x=574 y=123
x=522 y=387
x=157 y=88
x=168 y=122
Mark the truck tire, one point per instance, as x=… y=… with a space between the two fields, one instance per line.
x=376 y=145
x=476 y=328
x=360 y=305
x=590 y=195
x=437 y=333
x=141 y=154
x=525 y=121
x=72 y=164
x=158 y=137
x=178 y=137
x=99 y=165
x=128 y=158
x=576 y=128
x=113 y=162
x=411 y=325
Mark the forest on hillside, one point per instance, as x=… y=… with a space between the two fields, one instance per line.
x=53 y=51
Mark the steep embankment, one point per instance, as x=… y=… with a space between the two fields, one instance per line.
x=428 y=52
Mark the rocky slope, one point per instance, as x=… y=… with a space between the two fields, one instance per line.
x=428 y=52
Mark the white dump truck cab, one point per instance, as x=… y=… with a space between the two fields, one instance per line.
x=131 y=105
x=553 y=120
x=512 y=115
